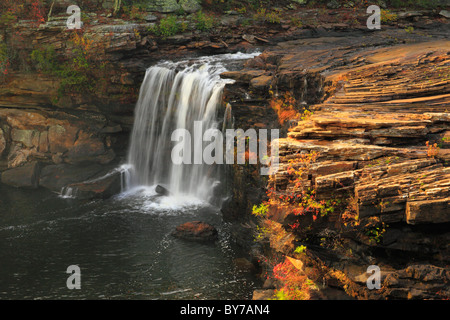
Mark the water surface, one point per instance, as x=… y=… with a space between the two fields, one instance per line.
x=122 y=245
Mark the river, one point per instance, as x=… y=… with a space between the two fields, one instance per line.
x=123 y=247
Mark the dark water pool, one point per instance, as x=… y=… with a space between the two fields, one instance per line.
x=122 y=245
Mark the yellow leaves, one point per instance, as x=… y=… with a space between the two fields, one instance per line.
x=82 y=42
x=387 y=16
x=432 y=149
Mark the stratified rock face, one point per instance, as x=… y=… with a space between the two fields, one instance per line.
x=385 y=133
x=428 y=211
x=380 y=150
x=53 y=138
x=163 y=6
x=196 y=231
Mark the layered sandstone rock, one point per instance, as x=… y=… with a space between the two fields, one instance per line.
x=381 y=156
x=53 y=138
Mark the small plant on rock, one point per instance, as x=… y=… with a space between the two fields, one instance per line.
x=295 y=284
x=203 y=22
x=388 y=17
x=167 y=27
x=261 y=210
x=432 y=149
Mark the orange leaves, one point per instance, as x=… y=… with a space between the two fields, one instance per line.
x=286 y=115
x=81 y=42
x=284 y=107
x=432 y=149
x=37 y=12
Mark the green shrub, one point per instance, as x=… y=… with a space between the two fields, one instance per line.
x=273 y=17
x=203 y=22
x=387 y=16
x=300 y=249
x=4 y=60
x=167 y=27
x=263 y=16
x=7 y=18
x=45 y=60
x=77 y=74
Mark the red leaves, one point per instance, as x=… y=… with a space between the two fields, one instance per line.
x=37 y=12
x=295 y=282
x=33 y=10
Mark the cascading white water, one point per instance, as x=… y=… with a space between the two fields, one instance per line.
x=174 y=96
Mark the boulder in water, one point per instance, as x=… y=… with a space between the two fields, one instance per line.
x=196 y=231
x=243 y=265
x=104 y=187
x=26 y=176
x=56 y=176
x=161 y=190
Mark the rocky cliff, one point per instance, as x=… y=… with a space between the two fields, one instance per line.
x=363 y=177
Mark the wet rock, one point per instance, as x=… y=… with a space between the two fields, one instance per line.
x=196 y=231
x=243 y=75
x=112 y=129
x=26 y=176
x=244 y=265
x=99 y=188
x=162 y=190
x=261 y=82
x=55 y=177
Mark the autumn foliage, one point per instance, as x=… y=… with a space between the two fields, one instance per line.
x=284 y=107
x=14 y=10
x=296 y=285
x=301 y=202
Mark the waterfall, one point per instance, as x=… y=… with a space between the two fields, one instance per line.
x=174 y=96
x=68 y=192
